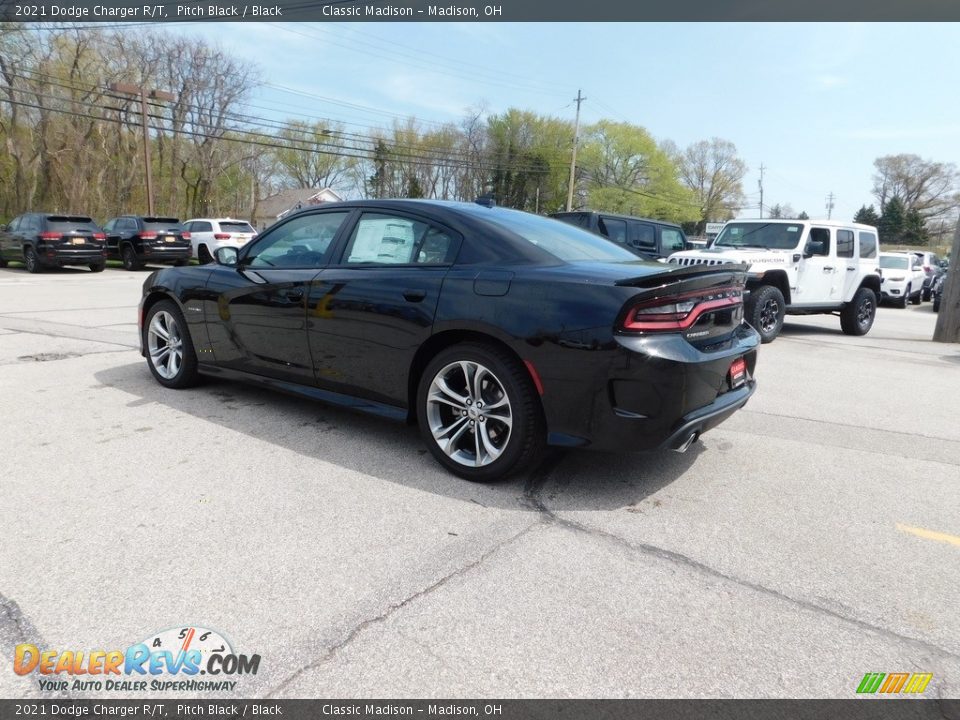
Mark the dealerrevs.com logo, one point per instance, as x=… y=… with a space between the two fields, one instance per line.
x=171 y=660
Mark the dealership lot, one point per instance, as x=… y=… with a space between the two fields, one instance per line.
x=810 y=539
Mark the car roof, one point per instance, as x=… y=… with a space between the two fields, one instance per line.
x=615 y=215
x=223 y=219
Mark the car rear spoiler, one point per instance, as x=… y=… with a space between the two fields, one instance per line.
x=727 y=273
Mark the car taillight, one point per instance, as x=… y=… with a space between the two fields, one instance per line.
x=221 y=236
x=148 y=236
x=51 y=236
x=678 y=312
x=99 y=236
x=185 y=235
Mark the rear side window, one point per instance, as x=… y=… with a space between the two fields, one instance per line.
x=201 y=226
x=845 y=243
x=868 y=245
x=391 y=240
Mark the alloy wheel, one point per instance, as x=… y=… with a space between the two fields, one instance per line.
x=865 y=312
x=769 y=313
x=165 y=345
x=469 y=413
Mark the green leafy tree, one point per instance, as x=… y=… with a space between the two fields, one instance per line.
x=915 y=229
x=625 y=171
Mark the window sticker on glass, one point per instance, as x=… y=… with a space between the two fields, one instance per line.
x=792 y=228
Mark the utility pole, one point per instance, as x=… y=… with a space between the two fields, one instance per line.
x=760 y=184
x=126 y=89
x=830 y=199
x=573 y=161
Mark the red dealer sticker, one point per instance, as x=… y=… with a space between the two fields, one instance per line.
x=738 y=372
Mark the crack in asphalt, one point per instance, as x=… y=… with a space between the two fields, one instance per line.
x=394 y=607
x=539 y=478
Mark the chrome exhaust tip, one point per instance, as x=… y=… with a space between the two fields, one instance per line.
x=691 y=438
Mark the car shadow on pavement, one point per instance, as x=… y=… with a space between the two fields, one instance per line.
x=573 y=480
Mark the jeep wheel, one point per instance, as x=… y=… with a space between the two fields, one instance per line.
x=916 y=299
x=129 y=258
x=97 y=267
x=31 y=260
x=857 y=316
x=204 y=256
x=765 y=312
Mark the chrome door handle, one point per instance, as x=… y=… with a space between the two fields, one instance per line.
x=851 y=269
x=828 y=268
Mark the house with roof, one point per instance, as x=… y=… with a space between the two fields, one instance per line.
x=276 y=207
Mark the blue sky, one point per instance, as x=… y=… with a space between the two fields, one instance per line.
x=814 y=103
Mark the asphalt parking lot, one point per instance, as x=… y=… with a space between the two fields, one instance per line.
x=810 y=539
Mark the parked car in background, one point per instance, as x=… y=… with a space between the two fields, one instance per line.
x=136 y=240
x=937 y=292
x=901 y=277
x=496 y=331
x=799 y=267
x=932 y=269
x=41 y=240
x=648 y=239
x=207 y=235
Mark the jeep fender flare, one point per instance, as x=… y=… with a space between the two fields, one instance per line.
x=775 y=278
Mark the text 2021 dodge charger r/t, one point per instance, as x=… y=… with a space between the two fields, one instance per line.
x=495 y=330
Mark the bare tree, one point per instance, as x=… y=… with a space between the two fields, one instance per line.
x=930 y=188
x=712 y=170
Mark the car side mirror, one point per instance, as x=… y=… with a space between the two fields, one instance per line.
x=227 y=256
x=813 y=247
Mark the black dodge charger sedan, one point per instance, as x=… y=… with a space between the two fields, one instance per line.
x=495 y=330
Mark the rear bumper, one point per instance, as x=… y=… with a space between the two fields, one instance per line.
x=161 y=255
x=59 y=257
x=650 y=393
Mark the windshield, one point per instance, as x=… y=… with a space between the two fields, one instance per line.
x=893 y=262
x=774 y=236
x=565 y=242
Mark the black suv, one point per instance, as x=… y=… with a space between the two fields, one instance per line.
x=136 y=240
x=650 y=239
x=41 y=240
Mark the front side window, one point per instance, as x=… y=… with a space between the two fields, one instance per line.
x=390 y=240
x=643 y=236
x=301 y=242
x=671 y=240
x=819 y=242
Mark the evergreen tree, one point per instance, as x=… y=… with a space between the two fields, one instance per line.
x=867 y=216
x=914 y=229
x=803 y=215
x=892 y=222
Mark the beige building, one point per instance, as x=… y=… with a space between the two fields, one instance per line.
x=275 y=207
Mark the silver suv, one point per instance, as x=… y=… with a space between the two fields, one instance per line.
x=211 y=234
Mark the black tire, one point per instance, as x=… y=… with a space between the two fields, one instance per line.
x=97 y=267
x=31 y=260
x=906 y=297
x=936 y=303
x=204 y=256
x=181 y=263
x=183 y=375
x=927 y=294
x=128 y=257
x=3 y=263
x=765 y=312
x=505 y=384
x=857 y=316
x=916 y=299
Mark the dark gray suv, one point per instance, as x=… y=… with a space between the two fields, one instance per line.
x=40 y=240
x=649 y=239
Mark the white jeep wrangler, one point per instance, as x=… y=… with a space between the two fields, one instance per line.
x=800 y=267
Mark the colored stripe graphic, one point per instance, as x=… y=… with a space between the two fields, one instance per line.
x=894 y=682
x=918 y=683
x=870 y=682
